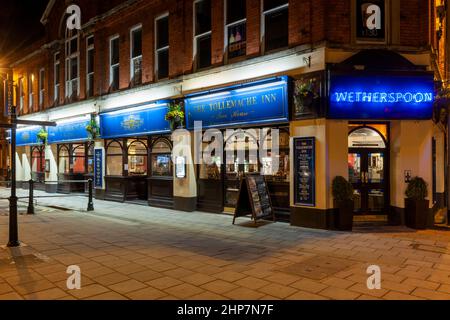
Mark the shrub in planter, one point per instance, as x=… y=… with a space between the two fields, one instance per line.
x=343 y=200
x=416 y=205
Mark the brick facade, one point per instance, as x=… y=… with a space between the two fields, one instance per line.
x=310 y=23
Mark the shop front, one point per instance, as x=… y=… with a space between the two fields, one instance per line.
x=375 y=128
x=245 y=116
x=138 y=147
x=70 y=143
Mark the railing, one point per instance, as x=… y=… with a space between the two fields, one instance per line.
x=31 y=196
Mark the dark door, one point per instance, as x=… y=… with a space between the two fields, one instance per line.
x=367 y=173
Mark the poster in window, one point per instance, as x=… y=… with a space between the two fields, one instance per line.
x=371 y=20
x=180 y=167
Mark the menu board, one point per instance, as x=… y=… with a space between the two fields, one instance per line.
x=254 y=199
x=304 y=171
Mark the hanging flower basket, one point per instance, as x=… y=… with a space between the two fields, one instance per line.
x=93 y=129
x=305 y=94
x=175 y=116
x=42 y=136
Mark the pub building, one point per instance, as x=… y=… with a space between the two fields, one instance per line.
x=361 y=108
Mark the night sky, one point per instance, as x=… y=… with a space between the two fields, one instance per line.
x=19 y=24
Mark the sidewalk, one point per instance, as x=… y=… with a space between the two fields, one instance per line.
x=127 y=251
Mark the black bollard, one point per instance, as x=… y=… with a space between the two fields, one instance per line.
x=90 y=201
x=30 y=197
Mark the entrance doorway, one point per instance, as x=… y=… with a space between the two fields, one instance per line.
x=368 y=169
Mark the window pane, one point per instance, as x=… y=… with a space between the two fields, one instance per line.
x=203 y=17
x=163 y=64
x=271 y=4
x=115 y=78
x=74 y=45
x=74 y=68
x=236 y=10
x=90 y=85
x=162 y=165
x=204 y=51
x=237 y=40
x=57 y=73
x=90 y=41
x=115 y=51
x=114 y=165
x=137 y=43
x=90 y=62
x=162 y=36
x=41 y=79
x=276 y=33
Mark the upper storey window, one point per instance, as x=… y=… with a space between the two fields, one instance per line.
x=162 y=47
x=236 y=28
x=202 y=33
x=114 y=63
x=371 y=20
x=136 y=55
x=72 y=64
x=275 y=27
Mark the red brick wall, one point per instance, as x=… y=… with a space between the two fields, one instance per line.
x=310 y=22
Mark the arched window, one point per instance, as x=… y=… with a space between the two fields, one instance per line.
x=64 y=159
x=366 y=137
x=161 y=157
x=37 y=159
x=137 y=158
x=72 y=47
x=114 y=159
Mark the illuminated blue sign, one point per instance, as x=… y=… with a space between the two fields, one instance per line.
x=261 y=103
x=365 y=96
x=68 y=132
x=136 y=121
x=26 y=136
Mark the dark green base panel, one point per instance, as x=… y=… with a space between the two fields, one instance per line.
x=313 y=218
x=185 y=204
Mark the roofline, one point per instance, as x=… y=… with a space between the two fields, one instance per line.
x=47 y=11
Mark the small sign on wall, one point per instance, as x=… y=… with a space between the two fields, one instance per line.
x=98 y=168
x=180 y=167
x=408 y=176
x=305 y=171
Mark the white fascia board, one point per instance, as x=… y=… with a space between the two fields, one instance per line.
x=73 y=110
x=41 y=116
x=270 y=66
x=140 y=96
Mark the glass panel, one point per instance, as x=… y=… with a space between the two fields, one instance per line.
x=37 y=161
x=272 y=4
x=64 y=161
x=163 y=64
x=276 y=33
x=115 y=51
x=162 y=36
x=354 y=167
x=115 y=78
x=357 y=200
x=79 y=157
x=376 y=200
x=236 y=10
x=114 y=165
x=376 y=167
x=162 y=165
x=137 y=158
x=137 y=43
x=90 y=63
x=365 y=138
x=204 y=51
x=211 y=171
x=203 y=17
x=237 y=40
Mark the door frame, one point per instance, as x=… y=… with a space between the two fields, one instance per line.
x=387 y=150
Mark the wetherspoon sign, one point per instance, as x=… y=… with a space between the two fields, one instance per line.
x=381 y=96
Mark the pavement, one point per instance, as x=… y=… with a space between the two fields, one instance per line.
x=128 y=251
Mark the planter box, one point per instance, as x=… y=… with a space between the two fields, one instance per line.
x=417 y=213
x=344 y=217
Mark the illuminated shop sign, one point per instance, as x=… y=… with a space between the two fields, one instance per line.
x=265 y=102
x=70 y=131
x=25 y=136
x=381 y=96
x=136 y=121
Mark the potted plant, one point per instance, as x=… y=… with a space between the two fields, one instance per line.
x=42 y=136
x=93 y=128
x=416 y=204
x=175 y=116
x=343 y=200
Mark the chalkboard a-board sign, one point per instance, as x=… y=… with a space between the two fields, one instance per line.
x=254 y=199
x=304 y=171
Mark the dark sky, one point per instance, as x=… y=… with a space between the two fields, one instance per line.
x=19 y=24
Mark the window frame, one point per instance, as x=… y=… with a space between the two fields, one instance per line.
x=226 y=34
x=263 y=24
x=21 y=94
x=113 y=66
x=68 y=64
x=90 y=47
x=41 y=87
x=133 y=59
x=56 y=86
x=199 y=36
x=30 y=92
x=159 y=50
